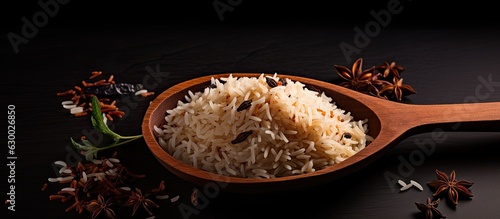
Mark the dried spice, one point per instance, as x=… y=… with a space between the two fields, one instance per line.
x=244 y=105
x=430 y=209
x=107 y=91
x=391 y=70
x=357 y=78
x=397 y=89
x=137 y=199
x=101 y=207
x=114 y=89
x=102 y=187
x=451 y=186
x=282 y=82
x=241 y=137
x=347 y=136
x=271 y=82
x=194 y=197
x=383 y=81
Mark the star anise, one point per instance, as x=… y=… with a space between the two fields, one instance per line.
x=392 y=69
x=137 y=199
x=100 y=206
x=375 y=86
x=455 y=188
x=383 y=81
x=356 y=79
x=398 y=89
x=430 y=209
x=124 y=176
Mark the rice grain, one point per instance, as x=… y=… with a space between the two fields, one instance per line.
x=260 y=127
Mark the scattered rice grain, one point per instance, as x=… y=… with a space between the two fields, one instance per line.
x=61 y=163
x=174 y=199
x=416 y=184
x=406 y=187
x=95 y=74
x=161 y=197
x=109 y=164
x=69 y=189
x=69 y=106
x=67 y=102
x=125 y=188
x=140 y=92
x=114 y=160
x=76 y=110
x=45 y=185
x=84 y=176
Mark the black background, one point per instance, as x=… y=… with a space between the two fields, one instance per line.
x=445 y=48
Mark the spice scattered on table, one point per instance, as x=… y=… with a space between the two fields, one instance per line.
x=107 y=91
x=194 y=197
x=383 y=81
x=451 y=187
x=430 y=209
x=102 y=187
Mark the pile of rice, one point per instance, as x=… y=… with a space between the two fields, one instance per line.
x=294 y=130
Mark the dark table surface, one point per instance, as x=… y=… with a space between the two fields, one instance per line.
x=448 y=55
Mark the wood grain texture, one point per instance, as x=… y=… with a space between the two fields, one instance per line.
x=389 y=123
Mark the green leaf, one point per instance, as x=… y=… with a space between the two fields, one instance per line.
x=98 y=120
x=90 y=155
x=90 y=150
x=87 y=142
x=80 y=146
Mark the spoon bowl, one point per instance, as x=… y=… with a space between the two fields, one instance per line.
x=389 y=122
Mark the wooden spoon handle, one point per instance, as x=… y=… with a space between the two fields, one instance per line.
x=454 y=117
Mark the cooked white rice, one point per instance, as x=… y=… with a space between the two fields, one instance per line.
x=294 y=130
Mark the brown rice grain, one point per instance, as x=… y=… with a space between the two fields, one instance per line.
x=147 y=94
x=67 y=198
x=65 y=181
x=68 y=92
x=89 y=84
x=95 y=74
x=73 y=206
x=109 y=117
x=45 y=185
x=100 y=82
x=56 y=197
x=81 y=114
x=78 y=88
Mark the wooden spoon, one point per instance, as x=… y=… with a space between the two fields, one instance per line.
x=389 y=122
